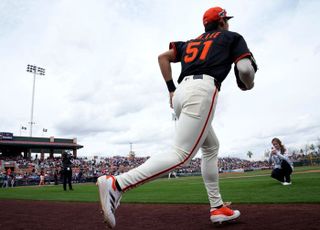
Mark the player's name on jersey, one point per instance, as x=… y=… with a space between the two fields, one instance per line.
x=206 y=36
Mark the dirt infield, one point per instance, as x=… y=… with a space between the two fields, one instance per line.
x=61 y=215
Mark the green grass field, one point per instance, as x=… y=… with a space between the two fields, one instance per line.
x=250 y=187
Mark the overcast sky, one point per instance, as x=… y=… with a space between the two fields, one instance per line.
x=103 y=85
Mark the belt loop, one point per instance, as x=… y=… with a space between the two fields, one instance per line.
x=197 y=76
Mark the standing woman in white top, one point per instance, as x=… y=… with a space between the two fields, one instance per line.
x=279 y=157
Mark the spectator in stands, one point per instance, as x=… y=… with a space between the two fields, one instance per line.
x=41 y=178
x=279 y=157
x=9 y=172
x=5 y=180
x=13 y=180
x=80 y=176
x=55 y=176
x=25 y=177
x=67 y=171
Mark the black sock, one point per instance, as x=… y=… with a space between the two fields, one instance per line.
x=118 y=186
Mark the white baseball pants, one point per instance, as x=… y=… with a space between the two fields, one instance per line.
x=194 y=103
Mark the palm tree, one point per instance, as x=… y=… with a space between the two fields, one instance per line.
x=301 y=151
x=249 y=154
x=306 y=149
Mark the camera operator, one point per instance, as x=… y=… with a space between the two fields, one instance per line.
x=67 y=170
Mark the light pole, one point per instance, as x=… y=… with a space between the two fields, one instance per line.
x=36 y=71
x=130 y=146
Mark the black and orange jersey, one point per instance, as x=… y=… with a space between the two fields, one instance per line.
x=211 y=53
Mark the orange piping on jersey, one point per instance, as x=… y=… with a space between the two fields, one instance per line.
x=242 y=56
x=190 y=154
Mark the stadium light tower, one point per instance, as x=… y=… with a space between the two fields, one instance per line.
x=36 y=71
x=130 y=146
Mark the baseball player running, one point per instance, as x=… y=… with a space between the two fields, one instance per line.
x=205 y=63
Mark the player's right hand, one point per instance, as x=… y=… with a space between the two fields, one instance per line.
x=170 y=99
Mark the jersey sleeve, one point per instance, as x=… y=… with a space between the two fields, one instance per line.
x=239 y=49
x=177 y=47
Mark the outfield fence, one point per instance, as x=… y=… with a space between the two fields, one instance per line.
x=312 y=161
